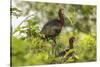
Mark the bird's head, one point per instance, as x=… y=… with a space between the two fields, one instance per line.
x=71 y=41
x=61 y=11
x=61 y=16
x=64 y=16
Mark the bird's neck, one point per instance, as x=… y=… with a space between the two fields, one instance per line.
x=71 y=45
x=61 y=18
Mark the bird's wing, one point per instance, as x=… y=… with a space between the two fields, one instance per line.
x=51 y=28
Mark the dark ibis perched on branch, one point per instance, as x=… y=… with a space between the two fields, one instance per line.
x=53 y=27
x=71 y=42
x=67 y=53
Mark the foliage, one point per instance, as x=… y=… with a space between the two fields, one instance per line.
x=28 y=48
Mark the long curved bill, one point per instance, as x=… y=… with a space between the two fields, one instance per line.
x=69 y=19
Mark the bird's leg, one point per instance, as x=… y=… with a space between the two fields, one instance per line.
x=54 y=43
x=54 y=47
x=30 y=45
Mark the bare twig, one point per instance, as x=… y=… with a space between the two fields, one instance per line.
x=23 y=21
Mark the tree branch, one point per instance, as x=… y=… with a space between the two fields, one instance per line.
x=23 y=21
